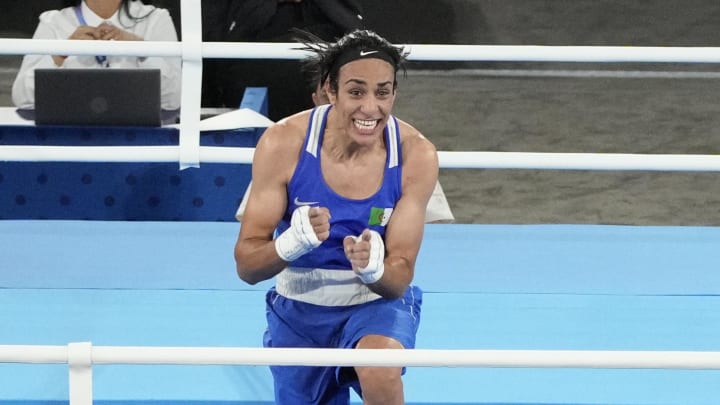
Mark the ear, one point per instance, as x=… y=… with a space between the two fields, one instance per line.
x=332 y=97
x=329 y=92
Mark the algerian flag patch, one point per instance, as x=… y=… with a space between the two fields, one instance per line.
x=379 y=216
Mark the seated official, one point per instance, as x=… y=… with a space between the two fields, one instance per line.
x=103 y=20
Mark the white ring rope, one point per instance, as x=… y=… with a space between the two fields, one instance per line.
x=449 y=160
x=574 y=73
x=418 y=52
x=559 y=161
x=605 y=359
x=81 y=356
x=208 y=154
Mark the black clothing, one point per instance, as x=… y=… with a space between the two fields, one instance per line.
x=224 y=81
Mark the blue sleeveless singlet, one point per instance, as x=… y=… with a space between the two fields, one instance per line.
x=348 y=216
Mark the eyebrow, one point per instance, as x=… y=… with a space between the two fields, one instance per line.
x=363 y=82
x=358 y=81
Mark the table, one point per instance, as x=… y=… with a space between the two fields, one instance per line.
x=122 y=191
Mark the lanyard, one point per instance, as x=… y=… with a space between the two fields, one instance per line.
x=101 y=60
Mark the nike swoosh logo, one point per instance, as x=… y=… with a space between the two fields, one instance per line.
x=298 y=202
x=363 y=53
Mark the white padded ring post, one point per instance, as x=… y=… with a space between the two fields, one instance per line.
x=191 y=84
x=80 y=369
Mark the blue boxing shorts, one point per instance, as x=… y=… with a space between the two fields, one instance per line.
x=293 y=323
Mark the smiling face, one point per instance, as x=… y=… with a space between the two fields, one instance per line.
x=364 y=98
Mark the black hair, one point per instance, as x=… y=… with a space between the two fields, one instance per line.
x=327 y=57
x=125 y=11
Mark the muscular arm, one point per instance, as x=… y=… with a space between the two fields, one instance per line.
x=258 y=256
x=273 y=162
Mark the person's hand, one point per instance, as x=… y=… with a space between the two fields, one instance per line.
x=366 y=253
x=109 y=32
x=104 y=31
x=309 y=227
x=84 y=32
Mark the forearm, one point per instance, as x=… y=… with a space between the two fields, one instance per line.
x=385 y=273
x=396 y=278
x=257 y=260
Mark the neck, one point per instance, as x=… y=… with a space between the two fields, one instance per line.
x=338 y=145
x=104 y=8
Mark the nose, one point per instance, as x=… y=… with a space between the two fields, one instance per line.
x=369 y=104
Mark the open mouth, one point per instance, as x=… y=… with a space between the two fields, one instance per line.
x=365 y=125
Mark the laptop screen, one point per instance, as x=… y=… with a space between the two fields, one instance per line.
x=105 y=97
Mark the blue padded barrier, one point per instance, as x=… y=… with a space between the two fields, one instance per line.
x=124 y=191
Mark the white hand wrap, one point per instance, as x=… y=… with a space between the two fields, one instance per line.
x=299 y=239
x=376 y=262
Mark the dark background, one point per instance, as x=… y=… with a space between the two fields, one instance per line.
x=514 y=22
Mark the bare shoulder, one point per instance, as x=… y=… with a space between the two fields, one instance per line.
x=415 y=145
x=284 y=139
x=278 y=150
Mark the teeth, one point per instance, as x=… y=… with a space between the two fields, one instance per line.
x=365 y=124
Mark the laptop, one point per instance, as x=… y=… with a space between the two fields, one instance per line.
x=101 y=97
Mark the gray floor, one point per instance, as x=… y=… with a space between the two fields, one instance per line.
x=535 y=114
x=480 y=107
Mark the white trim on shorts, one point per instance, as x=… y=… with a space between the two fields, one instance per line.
x=323 y=287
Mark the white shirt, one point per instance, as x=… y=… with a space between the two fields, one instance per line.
x=60 y=24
